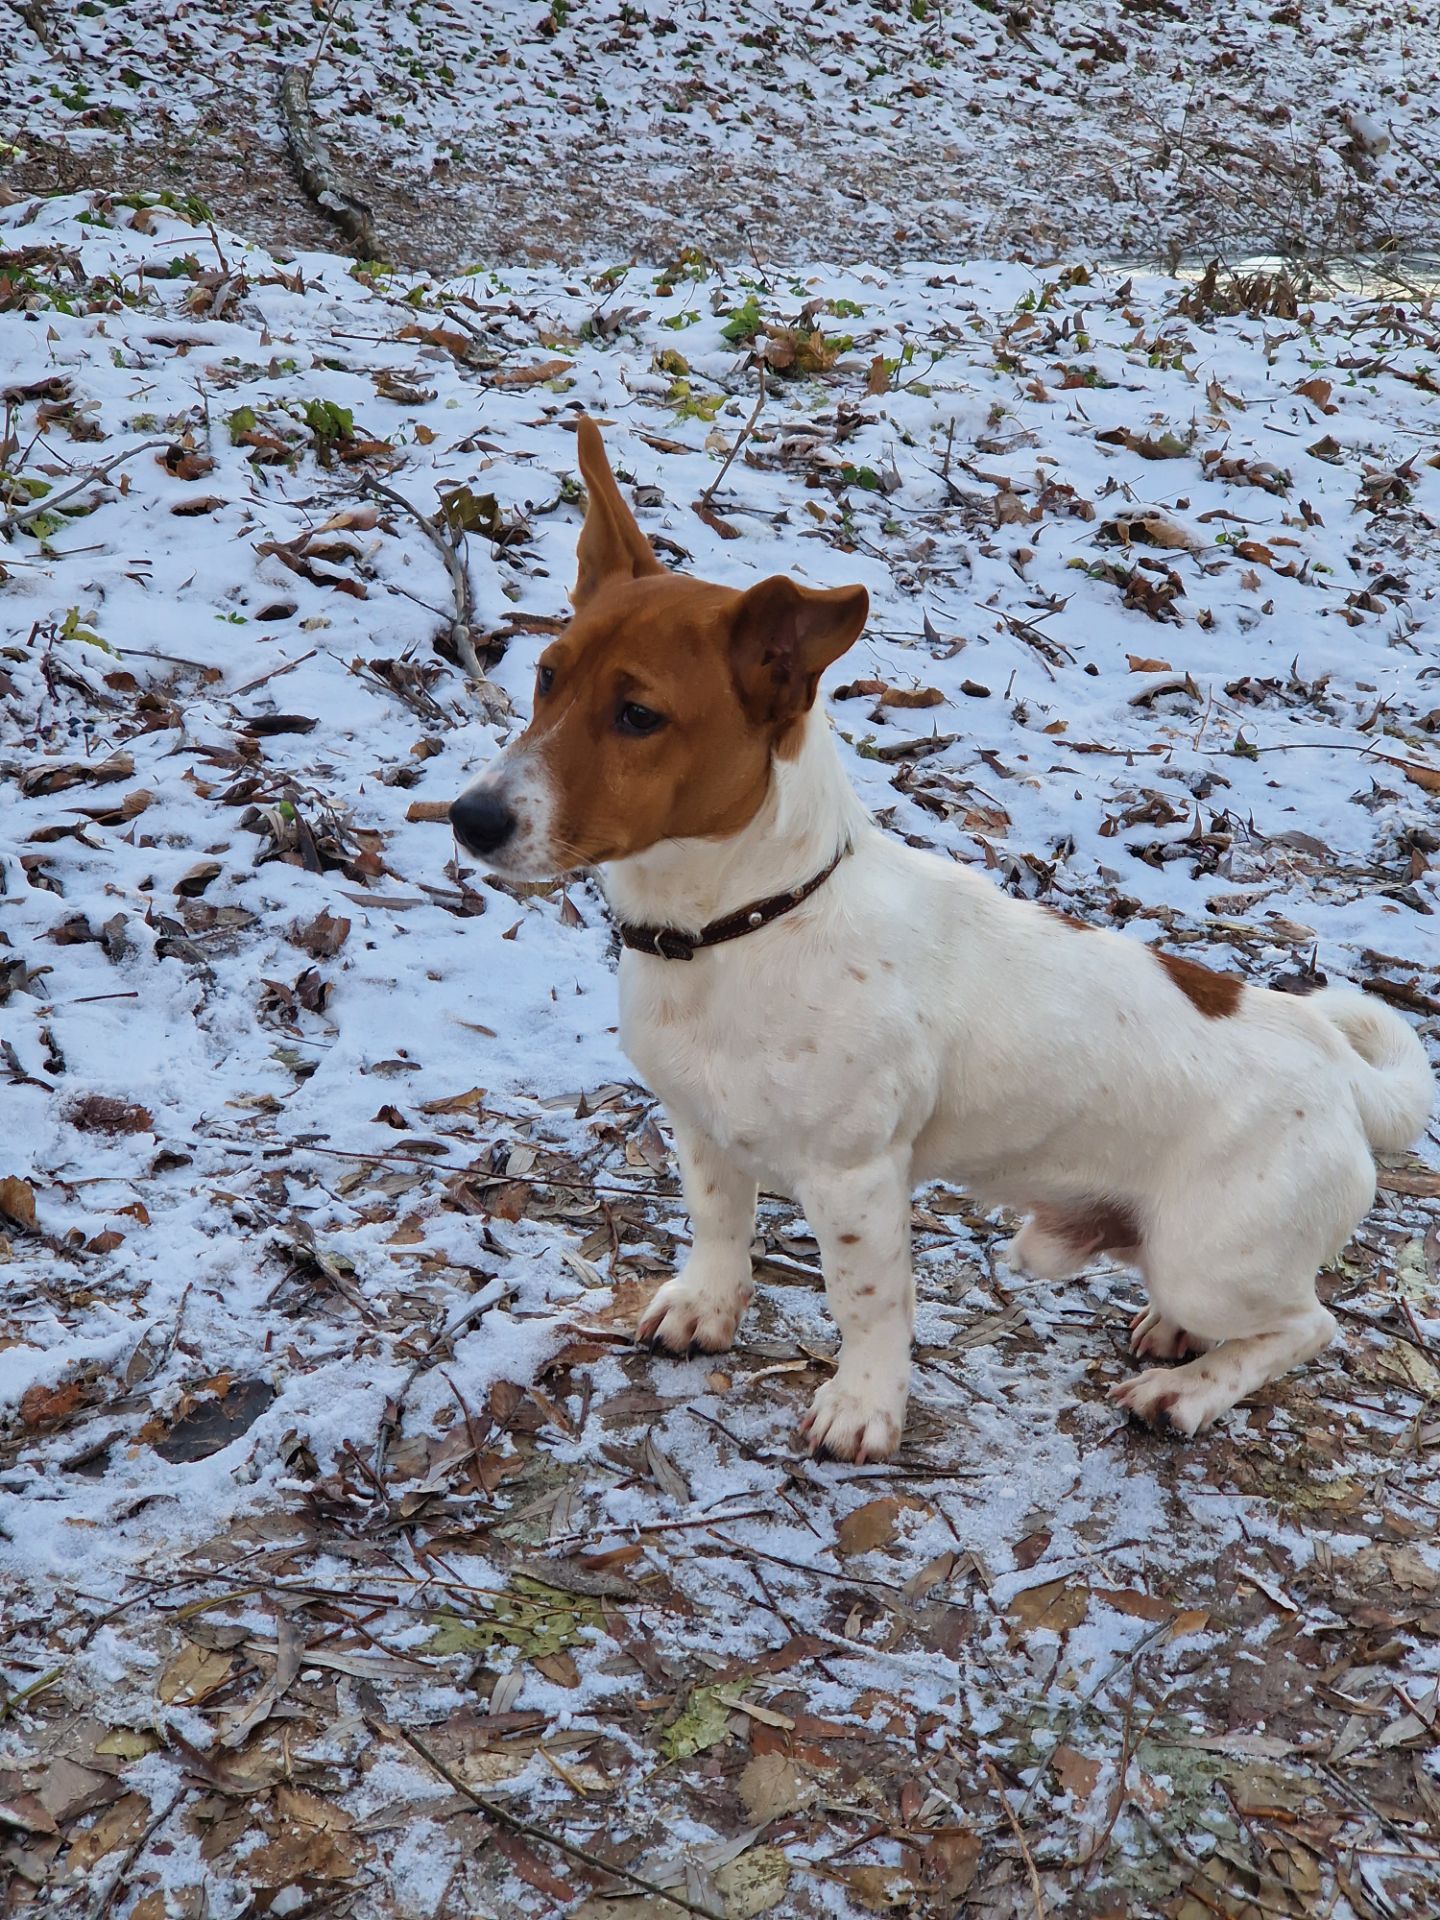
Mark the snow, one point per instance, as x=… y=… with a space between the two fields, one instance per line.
x=586 y=130
x=1254 y=774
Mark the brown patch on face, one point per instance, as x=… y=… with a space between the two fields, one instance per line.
x=1216 y=995
x=1095 y=1226
x=658 y=710
x=659 y=644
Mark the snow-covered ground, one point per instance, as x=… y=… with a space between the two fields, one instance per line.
x=792 y=129
x=319 y=1425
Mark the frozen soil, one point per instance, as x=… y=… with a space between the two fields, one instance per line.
x=590 y=132
x=339 y=1517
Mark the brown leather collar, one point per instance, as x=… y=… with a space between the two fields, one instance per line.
x=669 y=943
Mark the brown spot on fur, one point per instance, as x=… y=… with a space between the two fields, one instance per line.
x=1216 y=995
x=1092 y=1226
x=857 y=973
x=848 y=1239
x=864 y=1293
x=1069 y=920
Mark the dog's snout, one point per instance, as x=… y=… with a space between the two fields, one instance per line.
x=483 y=822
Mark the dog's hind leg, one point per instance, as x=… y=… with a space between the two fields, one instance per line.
x=1230 y=1257
x=1188 y=1398
x=1152 y=1335
x=700 y=1308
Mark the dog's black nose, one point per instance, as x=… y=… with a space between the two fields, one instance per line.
x=482 y=821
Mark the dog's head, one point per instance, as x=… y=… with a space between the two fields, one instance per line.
x=659 y=709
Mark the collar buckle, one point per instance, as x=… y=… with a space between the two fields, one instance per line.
x=669 y=944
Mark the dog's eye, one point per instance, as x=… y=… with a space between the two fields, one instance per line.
x=544 y=679
x=637 y=719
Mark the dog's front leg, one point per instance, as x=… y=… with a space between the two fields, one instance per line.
x=861 y=1217
x=701 y=1307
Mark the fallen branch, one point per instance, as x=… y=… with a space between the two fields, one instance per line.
x=47 y=502
x=503 y=1817
x=317 y=170
x=447 y=545
x=744 y=434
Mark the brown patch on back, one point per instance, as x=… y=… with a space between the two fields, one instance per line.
x=1216 y=995
x=1068 y=920
x=1093 y=1226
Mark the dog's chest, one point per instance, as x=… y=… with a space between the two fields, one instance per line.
x=704 y=1036
x=765 y=1051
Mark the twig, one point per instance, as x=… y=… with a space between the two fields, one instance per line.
x=429 y=1358
x=744 y=434
x=317 y=170
x=1019 y=1833
x=285 y=666
x=320 y=46
x=105 y=1899
x=34 y=508
x=503 y=1817
x=11 y=1701
x=448 y=547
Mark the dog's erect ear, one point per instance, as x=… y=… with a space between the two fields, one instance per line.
x=782 y=639
x=611 y=545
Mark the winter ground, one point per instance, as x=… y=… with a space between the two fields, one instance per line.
x=330 y=1198
x=777 y=129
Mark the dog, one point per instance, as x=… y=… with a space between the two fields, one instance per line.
x=838 y=1017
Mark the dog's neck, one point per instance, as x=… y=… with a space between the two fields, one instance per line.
x=808 y=815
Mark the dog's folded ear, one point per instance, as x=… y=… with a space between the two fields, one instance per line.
x=782 y=638
x=611 y=544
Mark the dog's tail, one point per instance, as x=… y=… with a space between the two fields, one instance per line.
x=1394 y=1086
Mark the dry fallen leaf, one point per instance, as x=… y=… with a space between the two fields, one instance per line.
x=769 y=1787
x=1076 y=1772
x=912 y=697
x=868 y=1527
x=1056 y=1606
x=194 y=1674
x=320 y=937
x=17 y=1201
x=532 y=375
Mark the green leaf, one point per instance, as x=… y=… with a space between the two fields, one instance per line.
x=705 y=1722
x=744 y=322
x=533 y=1618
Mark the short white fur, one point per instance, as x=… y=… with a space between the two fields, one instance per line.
x=910 y=1022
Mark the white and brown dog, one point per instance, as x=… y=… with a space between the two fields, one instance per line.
x=838 y=1017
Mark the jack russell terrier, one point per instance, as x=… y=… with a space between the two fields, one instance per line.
x=839 y=1017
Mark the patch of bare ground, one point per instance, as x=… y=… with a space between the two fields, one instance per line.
x=792 y=134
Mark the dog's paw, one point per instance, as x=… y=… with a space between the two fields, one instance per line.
x=853 y=1426
x=1168 y=1400
x=1157 y=1338
x=685 y=1318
